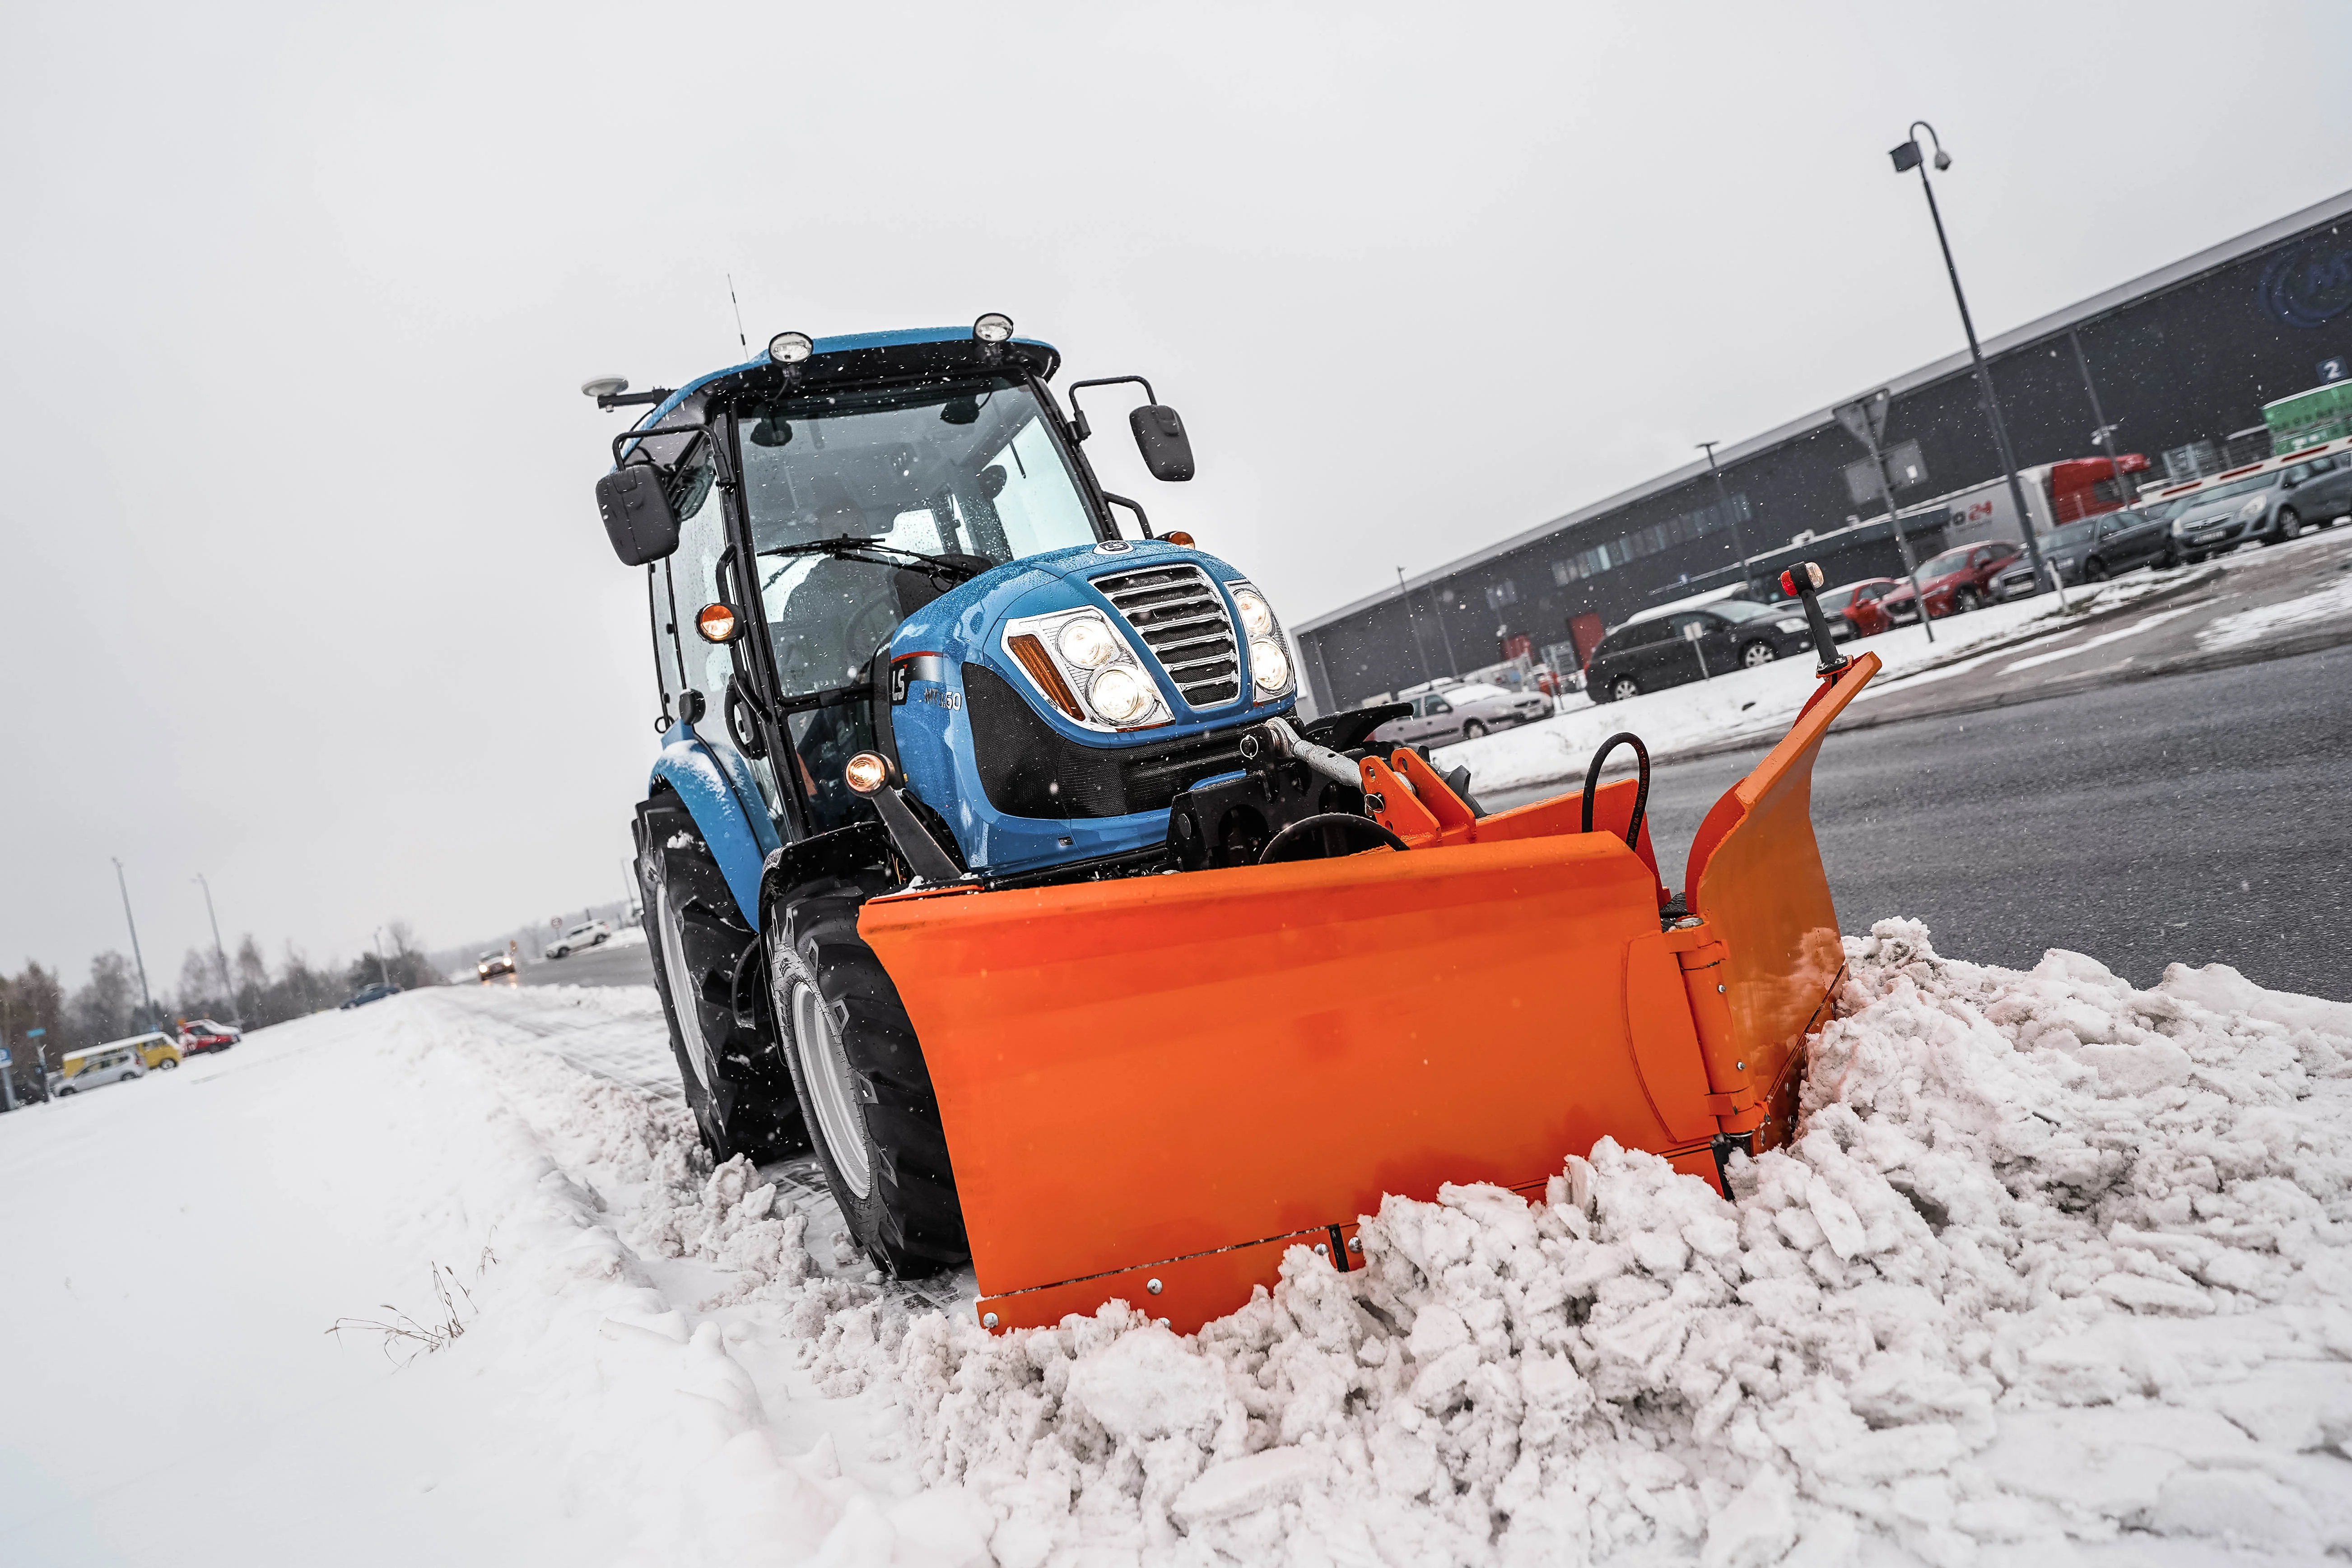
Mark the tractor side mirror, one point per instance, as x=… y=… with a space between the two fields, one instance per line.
x=1160 y=436
x=637 y=515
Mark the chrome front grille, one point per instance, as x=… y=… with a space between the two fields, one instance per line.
x=1181 y=618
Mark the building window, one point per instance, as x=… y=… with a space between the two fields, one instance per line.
x=1501 y=593
x=1680 y=528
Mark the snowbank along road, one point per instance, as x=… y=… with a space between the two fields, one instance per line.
x=2250 y=604
x=2058 y=1269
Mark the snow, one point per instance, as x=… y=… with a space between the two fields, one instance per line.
x=1760 y=703
x=2331 y=603
x=2056 y=1270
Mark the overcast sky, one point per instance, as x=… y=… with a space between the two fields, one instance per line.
x=303 y=585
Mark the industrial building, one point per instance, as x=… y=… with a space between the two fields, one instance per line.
x=2182 y=361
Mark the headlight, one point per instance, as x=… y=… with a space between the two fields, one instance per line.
x=1119 y=695
x=2254 y=507
x=1087 y=642
x=1256 y=618
x=1268 y=666
x=1793 y=625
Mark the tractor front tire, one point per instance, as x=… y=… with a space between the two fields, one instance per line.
x=735 y=1080
x=865 y=1092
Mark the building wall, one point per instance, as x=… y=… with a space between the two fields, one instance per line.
x=2194 y=360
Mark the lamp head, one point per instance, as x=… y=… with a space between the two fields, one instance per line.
x=1943 y=160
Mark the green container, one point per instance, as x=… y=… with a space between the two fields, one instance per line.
x=2309 y=418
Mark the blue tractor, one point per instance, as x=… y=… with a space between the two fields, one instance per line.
x=903 y=643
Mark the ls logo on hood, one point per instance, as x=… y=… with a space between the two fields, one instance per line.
x=909 y=667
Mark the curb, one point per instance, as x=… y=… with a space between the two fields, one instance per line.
x=2201 y=579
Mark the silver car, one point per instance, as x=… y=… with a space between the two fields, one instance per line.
x=1463 y=712
x=2272 y=507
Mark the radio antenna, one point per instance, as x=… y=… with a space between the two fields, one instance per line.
x=739 y=316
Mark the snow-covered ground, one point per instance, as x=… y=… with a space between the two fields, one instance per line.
x=2331 y=603
x=1761 y=702
x=2058 y=1271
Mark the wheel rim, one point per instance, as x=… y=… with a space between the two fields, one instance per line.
x=1757 y=653
x=1623 y=688
x=681 y=988
x=824 y=1067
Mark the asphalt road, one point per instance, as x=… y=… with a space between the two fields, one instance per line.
x=606 y=965
x=2196 y=817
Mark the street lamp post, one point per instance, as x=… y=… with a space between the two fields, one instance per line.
x=1908 y=157
x=228 y=991
x=145 y=1000
x=1723 y=499
x=2126 y=491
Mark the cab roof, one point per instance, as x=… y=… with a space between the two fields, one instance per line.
x=908 y=353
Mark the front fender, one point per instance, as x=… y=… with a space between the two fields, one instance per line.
x=717 y=788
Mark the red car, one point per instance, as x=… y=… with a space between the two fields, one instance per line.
x=198 y=1035
x=1959 y=579
x=1855 y=609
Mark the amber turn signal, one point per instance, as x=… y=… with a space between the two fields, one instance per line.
x=717 y=623
x=1031 y=654
x=1179 y=537
x=865 y=772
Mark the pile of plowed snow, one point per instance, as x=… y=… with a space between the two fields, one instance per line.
x=2055 y=1269
x=2053 y=1262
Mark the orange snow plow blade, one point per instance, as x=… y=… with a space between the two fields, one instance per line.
x=1152 y=1087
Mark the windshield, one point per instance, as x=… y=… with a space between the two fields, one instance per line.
x=968 y=469
x=1741 y=610
x=2074 y=534
x=1944 y=565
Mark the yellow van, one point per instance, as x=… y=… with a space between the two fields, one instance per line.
x=158 y=1051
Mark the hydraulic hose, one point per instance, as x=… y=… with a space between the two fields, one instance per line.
x=1286 y=742
x=1641 y=792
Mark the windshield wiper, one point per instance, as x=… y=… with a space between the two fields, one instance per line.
x=849 y=548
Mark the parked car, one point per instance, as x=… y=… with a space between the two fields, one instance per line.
x=1659 y=649
x=2092 y=551
x=201 y=1035
x=1853 y=608
x=1463 y=712
x=591 y=933
x=496 y=962
x=118 y=1062
x=158 y=1051
x=1959 y=579
x=367 y=994
x=2273 y=507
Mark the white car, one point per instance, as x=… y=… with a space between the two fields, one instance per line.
x=595 y=933
x=1463 y=712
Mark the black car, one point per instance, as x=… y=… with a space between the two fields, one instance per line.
x=375 y=993
x=2094 y=549
x=1666 y=648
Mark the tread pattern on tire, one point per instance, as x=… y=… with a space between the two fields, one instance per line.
x=751 y=1107
x=910 y=1223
